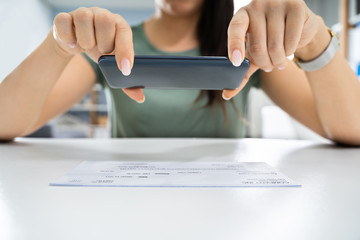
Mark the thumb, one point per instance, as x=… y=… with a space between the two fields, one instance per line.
x=230 y=93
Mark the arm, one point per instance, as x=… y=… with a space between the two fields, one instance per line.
x=55 y=75
x=291 y=91
x=34 y=93
x=327 y=100
x=24 y=91
x=324 y=100
x=74 y=82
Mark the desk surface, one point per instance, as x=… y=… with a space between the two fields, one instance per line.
x=327 y=206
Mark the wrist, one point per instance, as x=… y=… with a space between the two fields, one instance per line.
x=316 y=46
x=54 y=47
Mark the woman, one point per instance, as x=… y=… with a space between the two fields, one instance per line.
x=56 y=76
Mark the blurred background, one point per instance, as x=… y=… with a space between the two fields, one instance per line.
x=24 y=24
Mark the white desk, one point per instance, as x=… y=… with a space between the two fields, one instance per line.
x=327 y=206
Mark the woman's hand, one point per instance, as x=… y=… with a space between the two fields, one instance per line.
x=97 y=31
x=272 y=30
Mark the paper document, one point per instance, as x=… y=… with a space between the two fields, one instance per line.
x=175 y=174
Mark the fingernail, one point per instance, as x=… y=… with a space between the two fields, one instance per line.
x=268 y=70
x=72 y=45
x=142 y=100
x=236 y=58
x=225 y=98
x=125 y=67
x=281 y=67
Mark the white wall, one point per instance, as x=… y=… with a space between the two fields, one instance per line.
x=327 y=9
x=23 y=26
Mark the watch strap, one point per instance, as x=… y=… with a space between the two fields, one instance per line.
x=322 y=60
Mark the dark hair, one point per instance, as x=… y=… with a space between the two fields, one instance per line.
x=212 y=35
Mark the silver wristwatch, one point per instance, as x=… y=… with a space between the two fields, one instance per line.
x=322 y=60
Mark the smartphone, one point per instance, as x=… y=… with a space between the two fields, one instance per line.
x=175 y=72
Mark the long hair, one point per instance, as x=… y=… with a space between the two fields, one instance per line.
x=212 y=35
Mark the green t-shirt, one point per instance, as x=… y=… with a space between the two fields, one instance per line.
x=171 y=113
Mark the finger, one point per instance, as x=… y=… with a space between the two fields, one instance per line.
x=104 y=22
x=230 y=93
x=257 y=42
x=236 y=37
x=64 y=29
x=124 y=50
x=275 y=37
x=84 y=28
x=135 y=94
x=293 y=29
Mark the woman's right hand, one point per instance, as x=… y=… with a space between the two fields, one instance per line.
x=97 y=31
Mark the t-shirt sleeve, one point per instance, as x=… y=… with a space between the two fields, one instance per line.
x=99 y=76
x=255 y=79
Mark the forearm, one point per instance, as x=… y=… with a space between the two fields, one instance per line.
x=336 y=92
x=24 y=91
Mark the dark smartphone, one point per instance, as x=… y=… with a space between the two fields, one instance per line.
x=175 y=72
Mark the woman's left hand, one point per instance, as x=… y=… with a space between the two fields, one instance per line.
x=272 y=30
